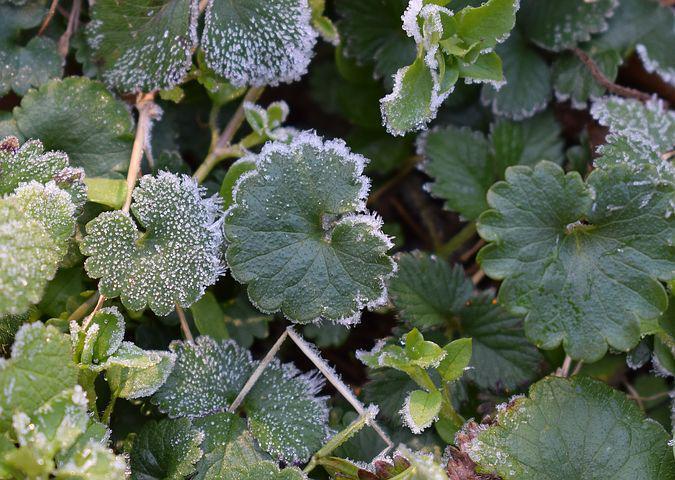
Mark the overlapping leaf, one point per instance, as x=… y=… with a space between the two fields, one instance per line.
x=298 y=234
x=581 y=260
x=576 y=428
x=172 y=261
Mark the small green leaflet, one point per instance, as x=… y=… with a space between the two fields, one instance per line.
x=25 y=65
x=300 y=236
x=144 y=45
x=561 y=24
x=572 y=428
x=650 y=47
x=581 y=260
x=267 y=470
x=99 y=128
x=173 y=260
x=134 y=373
x=102 y=337
x=421 y=409
x=256 y=42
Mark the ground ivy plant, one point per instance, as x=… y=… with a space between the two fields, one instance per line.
x=337 y=240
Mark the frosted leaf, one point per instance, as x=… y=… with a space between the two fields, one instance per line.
x=144 y=45
x=81 y=118
x=207 y=376
x=285 y=416
x=582 y=261
x=23 y=163
x=420 y=410
x=266 y=122
x=639 y=134
x=134 y=373
x=40 y=367
x=166 y=450
x=173 y=260
x=571 y=428
x=562 y=24
x=267 y=470
x=101 y=339
x=299 y=235
x=93 y=462
x=25 y=65
x=650 y=47
x=258 y=43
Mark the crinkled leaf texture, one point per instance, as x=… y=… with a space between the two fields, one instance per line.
x=284 y=414
x=300 y=236
x=561 y=24
x=37 y=219
x=254 y=42
x=82 y=118
x=572 y=428
x=639 y=135
x=581 y=260
x=176 y=256
x=145 y=45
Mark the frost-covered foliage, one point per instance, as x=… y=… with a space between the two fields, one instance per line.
x=172 y=260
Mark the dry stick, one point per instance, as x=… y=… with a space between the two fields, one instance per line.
x=223 y=142
x=565 y=369
x=336 y=382
x=600 y=77
x=73 y=23
x=183 y=322
x=98 y=306
x=472 y=251
x=477 y=277
x=48 y=18
x=258 y=371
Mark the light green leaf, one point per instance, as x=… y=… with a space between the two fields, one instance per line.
x=522 y=66
x=563 y=24
x=209 y=317
x=236 y=170
x=421 y=352
x=166 y=450
x=421 y=409
x=94 y=462
x=30 y=64
x=41 y=367
x=172 y=261
x=488 y=24
x=134 y=373
x=258 y=43
x=267 y=470
x=144 y=45
x=298 y=234
x=457 y=357
x=101 y=339
x=581 y=261
x=111 y=192
x=573 y=428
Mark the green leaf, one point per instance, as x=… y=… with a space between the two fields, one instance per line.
x=166 y=450
x=245 y=323
x=172 y=261
x=258 y=43
x=522 y=66
x=371 y=32
x=298 y=237
x=144 y=45
x=94 y=462
x=572 y=428
x=101 y=339
x=650 y=49
x=581 y=261
x=572 y=80
x=40 y=368
x=134 y=373
x=421 y=352
x=9 y=325
x=457 y=357
x=485 y=26
x=421 y=409
x=562 y=24
x=227 y=444
x=267 y=470
x=30 y=64
x=209 y=317
x=502 y=357
x=81 y=118
x=236 y=170
x=326 y=335
x=106 y=191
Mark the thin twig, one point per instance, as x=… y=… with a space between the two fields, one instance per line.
x=564 y=371
x=48 y=18
x=183 y=323
x=650 y=398
x=221 y=145
x=147 y=110
x=600 y=77
x=472 y=251
x=258 y=371
x=98 y=306
x=477 y=277
x=73 y=23
x=82 y=310
x=577 y=368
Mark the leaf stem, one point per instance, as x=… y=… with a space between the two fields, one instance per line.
x=73 y=23
x=48 y=18
x=565 y=369
x=257 y=372
x=98 y=306
x=464 y=235
x=105 y=418
x=409 y=167
x=221 y=145
x=82 y=310
x=185 y=328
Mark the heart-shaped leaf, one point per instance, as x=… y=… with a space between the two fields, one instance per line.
x=456 y=360
x=421 y=409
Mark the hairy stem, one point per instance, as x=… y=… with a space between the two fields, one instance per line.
x=223 y=142
x=600 y=77
x=185 y=328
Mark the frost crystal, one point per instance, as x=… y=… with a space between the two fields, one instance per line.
x=258 y=43
x=173 y=260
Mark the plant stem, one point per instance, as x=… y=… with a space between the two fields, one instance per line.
x=565 y=369
x=215 y=152
x=48 y=18
x=183 y=323
x=463 y=236
x=82 y=310
x=98 y=306
x=409 y=167
x=73 y=23
x=105 y=418
x=600 y=77
x=147 y=110
x=257 y=372
x=448 y=410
